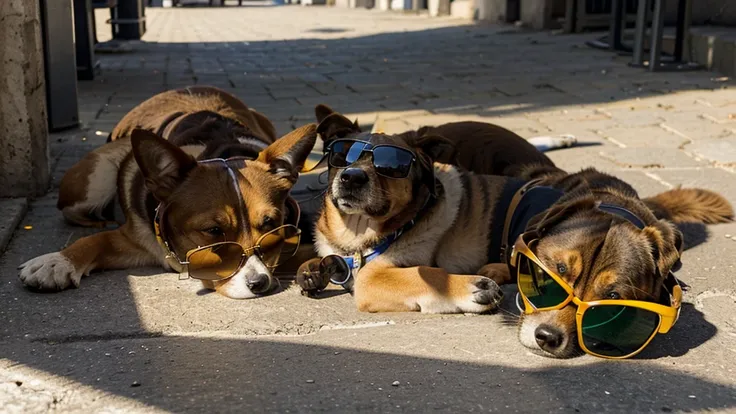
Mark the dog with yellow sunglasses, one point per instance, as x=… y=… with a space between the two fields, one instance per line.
x=453 y=234
x=594 y=269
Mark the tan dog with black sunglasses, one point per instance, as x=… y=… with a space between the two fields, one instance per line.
x=391 y=192
x=453 y=254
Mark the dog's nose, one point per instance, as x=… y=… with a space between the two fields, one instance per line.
x=548 y=337
x=258 y=282
x=353 y=178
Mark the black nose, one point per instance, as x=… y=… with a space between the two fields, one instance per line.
x=548 y=337
x=258 y=283
x=353 y=178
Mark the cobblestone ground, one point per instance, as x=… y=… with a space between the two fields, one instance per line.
x=125 y=340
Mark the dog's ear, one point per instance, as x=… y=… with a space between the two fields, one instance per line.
x=435 y=146
x=333 y=125
x=163 y=164
x=287 y=155
x=322 y=111
x=666 y=243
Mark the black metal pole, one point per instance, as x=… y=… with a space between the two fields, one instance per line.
x=682 y=19
x=617 y=16
x=641 y=28
x=657 y=28
x=130 y=19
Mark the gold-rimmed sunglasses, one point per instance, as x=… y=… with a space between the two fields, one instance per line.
x=609 y=328
x=222 y=260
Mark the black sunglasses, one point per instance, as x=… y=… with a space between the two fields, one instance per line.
x=389 y=160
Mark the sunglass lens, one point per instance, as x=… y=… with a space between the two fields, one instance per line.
x=616 y=331
x=336 y=268
x=392 y=162
x=216 y=262
x=540 y=289
x=279 y=245
x=344 y=153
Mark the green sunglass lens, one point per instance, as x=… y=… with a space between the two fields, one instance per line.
x=539 y=287
x=616 y=331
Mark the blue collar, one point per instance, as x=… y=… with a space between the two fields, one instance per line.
x=358 y=260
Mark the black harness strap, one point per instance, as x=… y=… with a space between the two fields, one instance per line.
x=499 y=218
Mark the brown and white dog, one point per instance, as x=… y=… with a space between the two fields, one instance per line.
x=453 y=257
x=152 y=160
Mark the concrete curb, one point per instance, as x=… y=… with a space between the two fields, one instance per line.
x=12 y=211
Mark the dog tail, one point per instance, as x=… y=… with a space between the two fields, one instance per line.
x=691 y=205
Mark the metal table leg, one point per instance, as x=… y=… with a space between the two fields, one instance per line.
x=614 y=40
x=683 y=22
x=657 y=28
x=641 y=28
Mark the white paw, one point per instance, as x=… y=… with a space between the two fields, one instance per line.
x=51 y=272
x=483 y=295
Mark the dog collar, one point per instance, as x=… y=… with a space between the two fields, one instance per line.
x=358 y=259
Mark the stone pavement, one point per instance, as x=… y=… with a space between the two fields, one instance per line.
x=145 y=341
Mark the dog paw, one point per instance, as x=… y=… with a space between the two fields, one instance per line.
x=50 y=272
x=308 y=277
x=487 y=292
x=476 y=294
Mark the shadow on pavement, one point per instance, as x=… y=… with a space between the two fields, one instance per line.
x=213 y=375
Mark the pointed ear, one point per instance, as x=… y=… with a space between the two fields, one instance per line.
x=163 y=164
x=333 y=125
x=666 y=241
x=435 y=146
x=322 y=111
x=287 y=155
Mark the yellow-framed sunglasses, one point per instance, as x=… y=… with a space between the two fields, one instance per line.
x=609 y=328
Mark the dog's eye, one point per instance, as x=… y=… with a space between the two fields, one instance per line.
x=613 y=295
x=214 y=231
x=561 y=269
x=268 y=223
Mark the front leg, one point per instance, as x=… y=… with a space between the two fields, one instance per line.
x=381 y=287
x=498 y=272
x=107 y=250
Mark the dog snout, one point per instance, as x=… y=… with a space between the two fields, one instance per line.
x=258 y=282
x=353 y=178
x=548 y=337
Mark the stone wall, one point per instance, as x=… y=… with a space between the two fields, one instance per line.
x=24 y=158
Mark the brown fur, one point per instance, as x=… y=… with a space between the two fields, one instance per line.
x=441 y=264
x=600 y=254
x=604 y=255
x=189 y=116
x=475 y=146
x=690 y=205
x=199 y=203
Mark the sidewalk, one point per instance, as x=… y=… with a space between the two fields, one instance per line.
x=150 y=342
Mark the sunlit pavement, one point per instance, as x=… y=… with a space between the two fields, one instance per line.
x=145 y=341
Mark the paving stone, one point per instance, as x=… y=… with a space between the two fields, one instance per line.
x=644 y=137
x=716 y=179
x=650 y=158
x=697 y=129
x=576 y=159
x=722 y=151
